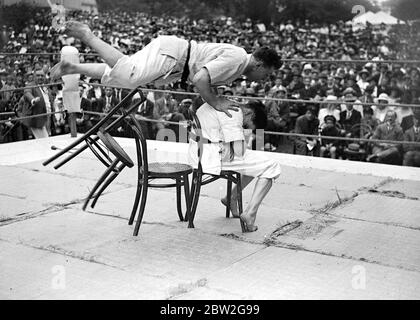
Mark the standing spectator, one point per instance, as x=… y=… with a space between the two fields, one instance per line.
x=36 y=101
x=8 y=86
x=84 y=120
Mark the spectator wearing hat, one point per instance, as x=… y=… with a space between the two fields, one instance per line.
x=363 y=82
x=381 y=107
x=307 y=124
x=329 y=146
x=328 y=108
x=389 y=130
x=412 y=152
x=350 y=117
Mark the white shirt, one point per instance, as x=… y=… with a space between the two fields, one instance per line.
x=217 y=128
x=46 y=99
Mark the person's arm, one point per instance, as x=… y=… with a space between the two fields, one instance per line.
x=202 y=83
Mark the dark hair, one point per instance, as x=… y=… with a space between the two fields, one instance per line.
x=260 y=114
x=268 y=56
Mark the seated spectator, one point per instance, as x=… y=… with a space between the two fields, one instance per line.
x=278 y=117
x=329 y=146
x=412 y=152
x=381 y=108
x=363 y=83
x=408 y=121
x=328 y=108
x=351 y=94
x=307 y=124
x=389 y=130
x=349 y=118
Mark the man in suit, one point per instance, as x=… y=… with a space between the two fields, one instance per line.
x=108 y=101
x=390 y=130
x=412 y=152
x=307 y=124
x=84 y=121
x=350 y=117
x=37 y=101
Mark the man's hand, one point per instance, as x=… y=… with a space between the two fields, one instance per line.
x=35 y=100
x=224 y=105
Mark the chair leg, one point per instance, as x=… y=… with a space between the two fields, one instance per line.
x=240 y=209
x=142 y=207
x=239 y=192
x=178 y=199
x=187 y=197
x=136 y=200
x=229 y=196
x=101 y=179
x=106 y=184
x=195 y=196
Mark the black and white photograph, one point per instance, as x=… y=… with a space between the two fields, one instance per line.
x=224 y=151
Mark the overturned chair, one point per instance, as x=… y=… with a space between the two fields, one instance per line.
x=101 y=143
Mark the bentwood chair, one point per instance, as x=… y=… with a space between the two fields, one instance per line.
x=104 y=146
x=148 y=172
x=201 y=178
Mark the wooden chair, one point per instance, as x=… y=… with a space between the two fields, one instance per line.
x=148 y=172
x=115 y=159
x=200 y=178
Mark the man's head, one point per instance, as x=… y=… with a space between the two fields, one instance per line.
x=255 y=115
x=108 y=91
x=329 y=120
x=310 y=113
x=40 y=77
x=390 y=117
x=266 y=61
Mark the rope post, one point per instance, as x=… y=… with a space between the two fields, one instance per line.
x=72 y=123
x=71 y=97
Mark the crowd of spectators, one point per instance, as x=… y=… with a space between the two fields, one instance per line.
x=334 y=89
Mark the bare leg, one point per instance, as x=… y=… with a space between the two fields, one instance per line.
x=245 y=180
x=82 y=31
x=93 y=70
x=262 y=186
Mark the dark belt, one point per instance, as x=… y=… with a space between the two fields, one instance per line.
x=186 y=71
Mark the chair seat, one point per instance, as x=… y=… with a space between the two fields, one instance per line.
x=169 y=168
x=115 y=148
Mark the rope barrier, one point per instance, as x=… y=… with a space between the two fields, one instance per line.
x=355 y=61
x=31 y=117
x=286 y=59
x=263 y=98
x=32 y=87
x=293 y=134
x=282 y=133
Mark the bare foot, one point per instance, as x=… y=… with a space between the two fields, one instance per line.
x=61 y=69
x=248 y=222
x=77 y=30
x=233 y=206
